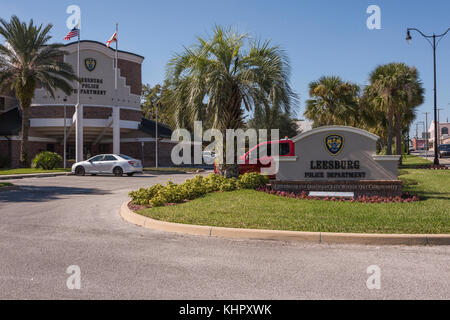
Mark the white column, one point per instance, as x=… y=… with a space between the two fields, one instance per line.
x=79 y=132
x=116 y=130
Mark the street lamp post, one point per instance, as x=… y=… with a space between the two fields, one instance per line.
x=65 y=134
x=434 y=45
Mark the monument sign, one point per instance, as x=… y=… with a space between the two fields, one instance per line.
x=337 y=159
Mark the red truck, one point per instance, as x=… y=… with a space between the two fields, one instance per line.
x=286 y=149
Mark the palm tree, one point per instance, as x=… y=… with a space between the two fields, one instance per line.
x=28 y=61
x=411 y=95
x=333 y=101
x=395 y=90
x=229 y=74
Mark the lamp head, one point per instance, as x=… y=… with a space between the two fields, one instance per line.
x=408 y=36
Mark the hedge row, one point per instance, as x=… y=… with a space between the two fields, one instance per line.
x=159 y=195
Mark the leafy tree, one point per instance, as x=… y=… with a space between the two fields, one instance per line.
x=26 y=61
x=333 y=102
x=267 y=119
x=157 y=97
x=229 y=74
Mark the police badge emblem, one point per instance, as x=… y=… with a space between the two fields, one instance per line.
x=334 y=144
x=90 y=64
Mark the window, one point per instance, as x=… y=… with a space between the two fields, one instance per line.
x=110 y=158
x=125 y=157
x=444 y=131
x=96 y=159
x=265 y=150
x=285 y=149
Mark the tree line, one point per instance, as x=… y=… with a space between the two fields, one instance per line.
x=386 y=106
x=229 y=81
x=223 y=79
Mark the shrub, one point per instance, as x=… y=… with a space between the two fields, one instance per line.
x=194 y=188
x=159 y=195
x=171 y=193
x=47 y=161
x=229 y=185
x=252 y=181
x=213 y=182
x=143 y=196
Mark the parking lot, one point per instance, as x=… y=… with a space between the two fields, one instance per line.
x=50 y=224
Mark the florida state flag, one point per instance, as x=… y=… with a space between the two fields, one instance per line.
x=112 y=39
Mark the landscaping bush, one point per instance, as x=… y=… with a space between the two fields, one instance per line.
x=229 y=185
x=172 y=193
x=143 y=196
x=194 y=188
x=47 y=161
x=213 y=182
x=252 y=181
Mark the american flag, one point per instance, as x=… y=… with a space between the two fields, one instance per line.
x=72 y=34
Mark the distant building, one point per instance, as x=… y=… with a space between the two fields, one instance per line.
x=106 y=120
x=305 y=125
x=419 y=144
x=443 y=133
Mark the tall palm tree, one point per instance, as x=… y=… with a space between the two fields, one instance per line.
x=28 y=61
x=229 y=74
x=333 y=101
x=410 y=96
x=395 y=90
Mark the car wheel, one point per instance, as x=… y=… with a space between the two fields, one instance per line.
x=79 y=171
x=130 y=174
x=118 y=172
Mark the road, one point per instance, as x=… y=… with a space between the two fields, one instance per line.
x=430 y=156
x=53 y=223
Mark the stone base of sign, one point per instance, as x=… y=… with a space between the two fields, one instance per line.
x=359 y=188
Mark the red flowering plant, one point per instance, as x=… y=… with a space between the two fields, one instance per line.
x=405 y=198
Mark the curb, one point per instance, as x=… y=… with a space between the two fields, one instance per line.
x=311 y=237
x=32 y=175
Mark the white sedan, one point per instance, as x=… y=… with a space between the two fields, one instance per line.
x=108 y=163
x=209 y=157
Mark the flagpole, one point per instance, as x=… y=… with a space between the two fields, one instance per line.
x=117 y=54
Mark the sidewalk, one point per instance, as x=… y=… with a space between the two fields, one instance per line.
x=34 y=175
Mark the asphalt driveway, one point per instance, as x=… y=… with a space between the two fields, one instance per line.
x=52 y=223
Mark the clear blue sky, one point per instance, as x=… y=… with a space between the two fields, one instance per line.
x=320 y=37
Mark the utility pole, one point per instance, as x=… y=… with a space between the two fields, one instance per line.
x=427 y=147
x=439 y=125
x=156 y=135
x=423 y=132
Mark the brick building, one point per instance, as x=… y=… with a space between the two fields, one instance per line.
x=106 y=120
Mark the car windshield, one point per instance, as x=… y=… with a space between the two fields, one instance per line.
x=445 y=147
x=125 y=157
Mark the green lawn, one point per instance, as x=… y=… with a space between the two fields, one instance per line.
x=257 y=210
x=414 y=161
x=4 y=172
x=4 y=184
